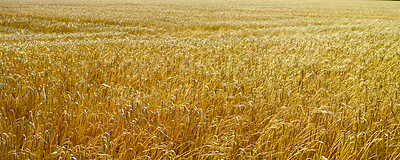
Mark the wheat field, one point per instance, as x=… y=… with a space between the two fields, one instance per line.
x=223 y=79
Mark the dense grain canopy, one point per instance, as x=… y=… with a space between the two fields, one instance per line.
x=199 y=79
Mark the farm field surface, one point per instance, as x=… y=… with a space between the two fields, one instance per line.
x=234 y=79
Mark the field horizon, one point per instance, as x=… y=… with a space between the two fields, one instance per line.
x=235 y=79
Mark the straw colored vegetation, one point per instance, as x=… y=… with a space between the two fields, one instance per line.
x=200 y=80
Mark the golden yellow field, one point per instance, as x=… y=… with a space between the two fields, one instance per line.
x=224 y=79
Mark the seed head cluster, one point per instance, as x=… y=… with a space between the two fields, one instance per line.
x=234 y=79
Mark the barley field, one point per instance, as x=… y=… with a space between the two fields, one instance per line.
x=223 y=79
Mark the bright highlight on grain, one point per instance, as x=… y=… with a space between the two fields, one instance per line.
x=199 y=80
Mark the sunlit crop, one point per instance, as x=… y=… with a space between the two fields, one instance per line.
x=200 y=79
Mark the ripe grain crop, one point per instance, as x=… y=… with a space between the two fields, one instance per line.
x=199 y=80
